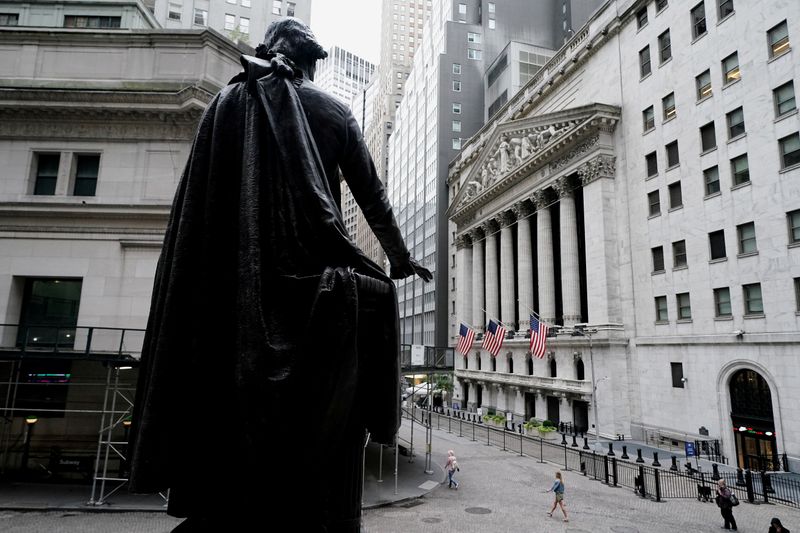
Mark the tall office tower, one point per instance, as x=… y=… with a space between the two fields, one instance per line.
x=242 y=20
x=443 y=103
x=343 y=74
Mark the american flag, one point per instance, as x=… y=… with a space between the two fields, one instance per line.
x=493 y=340
x=466 y=336
x=538 y=337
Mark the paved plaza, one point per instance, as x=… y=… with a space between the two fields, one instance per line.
x=499 y=491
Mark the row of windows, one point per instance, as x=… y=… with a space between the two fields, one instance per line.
x=788 y=150
x=83 y=178
x=745 y=238
x=753 y=304
x=552 y=366
x=70 y=21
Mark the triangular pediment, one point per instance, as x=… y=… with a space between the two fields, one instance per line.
x=517 y=147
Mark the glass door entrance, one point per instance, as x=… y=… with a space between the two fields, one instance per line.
x=755 y=451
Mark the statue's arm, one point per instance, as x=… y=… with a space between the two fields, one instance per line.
x=362 y=178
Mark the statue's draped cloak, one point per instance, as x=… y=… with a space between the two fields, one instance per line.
x=253 y=369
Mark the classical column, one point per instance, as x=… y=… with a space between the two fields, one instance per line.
x=492 y=271
x=463 y=288
x=570 y=274
x=478 y=302
x=500 y=404
x=544 y=257
x=519 y=405
x=508 y=301
x=524 y=265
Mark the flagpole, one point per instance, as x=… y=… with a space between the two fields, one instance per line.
x=496 y=320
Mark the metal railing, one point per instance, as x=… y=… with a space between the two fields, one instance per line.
x=35 y=339
x=647 y=481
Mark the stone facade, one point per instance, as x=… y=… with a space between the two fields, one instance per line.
x=570 y=149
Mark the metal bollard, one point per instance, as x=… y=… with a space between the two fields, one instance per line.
x=766 y=484
x=639 y=455
x=564 y=439
x=715 y=472
x=748 y=482
x=655 y=459
x=585 y=443
x=611 y=449
x=574 y=442
x=740 y=477
x=625 y=453
x=674 y=466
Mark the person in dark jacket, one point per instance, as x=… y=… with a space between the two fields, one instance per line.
x=271 y=338
x=725 y=505
x=775 y=526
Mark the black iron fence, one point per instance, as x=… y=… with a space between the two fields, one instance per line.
x=647 y=481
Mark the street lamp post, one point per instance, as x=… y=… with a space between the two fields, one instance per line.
x=29 y=423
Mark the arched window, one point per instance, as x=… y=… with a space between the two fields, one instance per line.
x=510 y=365
x=466 y=362
x=553 y=368
x=750 y=395
x=478 y=360
x=530 y=366
x=579 y=371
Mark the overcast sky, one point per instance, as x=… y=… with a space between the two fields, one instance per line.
x=354 y=25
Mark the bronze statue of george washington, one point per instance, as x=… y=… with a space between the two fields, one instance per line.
x=272 y=342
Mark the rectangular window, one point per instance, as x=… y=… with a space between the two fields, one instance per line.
x=790 y=150
x=644 y=62
x=456 y=108
x=492 y=24
x=641 y=18
x=457 y=144
x=462 y=9
x=684 y=306
x=498 y=68
x=716 y=243
x=75 y=21
x=246 y=3
x=244 y=25
x=797 y=294
x=230 y=22
x=735 y=123
x=677 y=375
x=664 y=47
x=652 y=164
x=491 y=7
x=673 y=159
x=708 y=137
x=730 y=69
x=784 y=99
x=174 y=11
x=725 y=8
x=498 y=103
x=753 y=304
x=668 y=106
x=747 y=238
x=703 y=82
x=86 y=170
x=698 y=20
x=661 y=5
x=778 y=38
x=661 y=309
x=46 y=174
x=201 y=17
x=678 y=254
x=456 y=68
x=711 y=179
x=675 y=197
x=456 y=125
x=276 y=6
x=473 y=54
x=654 y=201
x=658 y=258
x=648 y=119
x=456 y=86
x=290 y=8
x=473 y=37
x=793 y=219
x=740 y=170
x=722 y=302
x=9 y=19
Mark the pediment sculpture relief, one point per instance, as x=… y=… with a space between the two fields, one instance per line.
x=513 y=150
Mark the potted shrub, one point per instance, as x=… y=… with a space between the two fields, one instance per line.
x=530 y=426
x=547 y=430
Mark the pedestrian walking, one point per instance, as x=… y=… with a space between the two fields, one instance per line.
x=451 y=467
x=558 y=491
x=775 y=526
x=726 y=500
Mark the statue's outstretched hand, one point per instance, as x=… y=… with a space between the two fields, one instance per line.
x=409 y=268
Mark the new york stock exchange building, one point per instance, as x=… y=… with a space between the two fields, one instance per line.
x=645 y=182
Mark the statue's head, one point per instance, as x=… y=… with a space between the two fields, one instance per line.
x=291 y=37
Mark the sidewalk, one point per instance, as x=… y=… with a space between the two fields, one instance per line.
x=412 y=482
